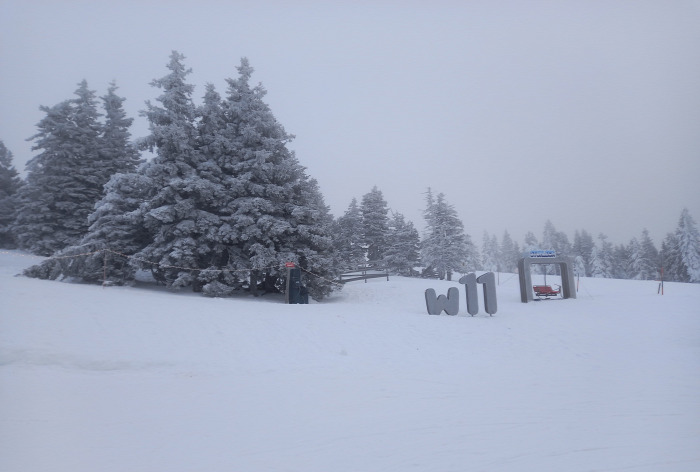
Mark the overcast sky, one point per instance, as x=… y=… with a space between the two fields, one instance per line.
x=586 y=113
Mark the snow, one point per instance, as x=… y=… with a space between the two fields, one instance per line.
x=142 y=379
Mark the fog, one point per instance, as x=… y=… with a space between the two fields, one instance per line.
x=585 y=113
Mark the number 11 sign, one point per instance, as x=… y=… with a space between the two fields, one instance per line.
x=450 y=303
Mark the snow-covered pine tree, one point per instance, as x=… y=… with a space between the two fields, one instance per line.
x=583 y=247
x=348 y=239
x=509 y=253
x=147 y=208
x=9 y=184
x=631 y=263
x=531 y=242
x=579 y=266
x=182 y=214
x=648 y=260
x=375 y=222
x=116 y=225
x=275 y=211
x=688 y=241
x=446 y=248
x=671 y=261
x=549 y=235
x=489 y=253
x=311 y=239
x=403 y=246
x=116 y=222
x=262 y=209
x=117 y=153
x=602 y=263
x=557 y=241
x=63 y=181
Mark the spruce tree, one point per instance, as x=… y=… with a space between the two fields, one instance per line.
x=602 y=258
x=531 y=242
x=509 y=253
x=170 y=215
x=583 y=247
x=688 y=241
x=632 y=260
x=446 y=248
x=117 y=153
x=348 y=239
x=647 y=259
x=277 y=212
x=221 y=206
x=63 y=181
x=403 y=246
x=9 y=185
x=375 y=222
x=116 y=226
x=671 y=260
x=490 y=253
x=556 y=241
x=310 y=241
x=127 y=220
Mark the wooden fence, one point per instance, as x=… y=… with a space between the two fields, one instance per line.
x=364 y=272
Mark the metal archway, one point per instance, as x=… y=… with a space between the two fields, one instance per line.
x=566 y=265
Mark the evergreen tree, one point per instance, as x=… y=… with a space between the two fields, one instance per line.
x=402 y=253
x=671 y=260
x=375 y=223
x=221 y=206
x=117 y=153
x=9 y=185
x=311 y=239
x=628 y=260
x=556 y=241
x=531 y=242
x=549 y=236
x=278 y=211
x=509 y=253
x=446 y=248
x=170 y=214
x=115 y=225
x=688 y=241
x=647 y=259
x=583 y=247
x=602 y=263
x=348 y=240
x=63 y=180
x=579 y=266
x=489 y=253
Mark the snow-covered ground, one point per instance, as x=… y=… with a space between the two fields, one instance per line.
x=142 y=379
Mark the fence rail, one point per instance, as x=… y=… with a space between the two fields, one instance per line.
x=364 y=272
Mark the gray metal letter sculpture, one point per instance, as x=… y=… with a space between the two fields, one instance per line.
x=449 y=303
x=469 y=282
x=489 y=282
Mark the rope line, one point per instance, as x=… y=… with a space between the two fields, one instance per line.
x=165 y=266
x=322 y=278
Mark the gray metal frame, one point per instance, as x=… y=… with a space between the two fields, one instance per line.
x=566 y=264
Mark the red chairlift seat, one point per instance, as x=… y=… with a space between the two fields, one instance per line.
x=546 y=291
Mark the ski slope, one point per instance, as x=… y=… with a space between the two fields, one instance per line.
x=142 y=379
